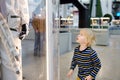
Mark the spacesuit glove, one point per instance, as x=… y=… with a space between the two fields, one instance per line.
x=24 y=31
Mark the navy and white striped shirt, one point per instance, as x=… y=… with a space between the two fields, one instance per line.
x=87 y=61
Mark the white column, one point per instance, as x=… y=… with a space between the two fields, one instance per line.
x=64 y=10
x=106 y=6
x=93 y=14
x=49 y=39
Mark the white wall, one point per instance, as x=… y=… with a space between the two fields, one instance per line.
x=93 y=9
x=106 y=6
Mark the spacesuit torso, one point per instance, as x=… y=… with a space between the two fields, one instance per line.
x=16 y=14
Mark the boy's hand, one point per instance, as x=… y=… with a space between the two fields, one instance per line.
x=70 y=73
x=89 y=77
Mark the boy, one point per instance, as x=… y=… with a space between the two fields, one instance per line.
x=85 y=57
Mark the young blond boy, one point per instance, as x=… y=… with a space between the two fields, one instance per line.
x=85 y=57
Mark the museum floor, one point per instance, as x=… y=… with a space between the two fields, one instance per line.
x=34 y=67
x=109 y=56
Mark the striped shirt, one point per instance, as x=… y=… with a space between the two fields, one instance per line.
x=87 y=61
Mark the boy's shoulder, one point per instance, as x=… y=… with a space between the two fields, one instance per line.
x=91 y=50
x=76 y=49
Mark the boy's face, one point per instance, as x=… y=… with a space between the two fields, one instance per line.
x=81 y=38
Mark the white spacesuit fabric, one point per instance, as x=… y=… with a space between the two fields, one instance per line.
x=16 y=14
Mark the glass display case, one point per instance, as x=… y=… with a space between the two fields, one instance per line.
x=116 y=22
x=52 y=45
x=102 y=22
x=66 y=22
x=100 y=28
x=95 y=21
x=34 y=66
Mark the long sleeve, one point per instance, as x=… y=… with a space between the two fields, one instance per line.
x=74 y=62
x=95 y=63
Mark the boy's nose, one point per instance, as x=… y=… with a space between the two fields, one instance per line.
x=77 y=37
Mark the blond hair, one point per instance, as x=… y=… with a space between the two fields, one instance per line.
x=89 y=36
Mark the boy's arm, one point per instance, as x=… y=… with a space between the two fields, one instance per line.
x=74 y=62
x=72 y=67
x=96 y=64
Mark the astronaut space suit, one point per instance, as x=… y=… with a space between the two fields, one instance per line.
x=16 y=14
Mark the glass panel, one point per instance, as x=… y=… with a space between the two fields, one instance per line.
x=34 y=51
x=52 y=23
x=55 y=15
x=31 y=61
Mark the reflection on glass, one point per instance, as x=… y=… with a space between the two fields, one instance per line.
x=55 y=15
x=34 y=46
